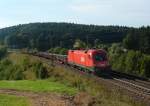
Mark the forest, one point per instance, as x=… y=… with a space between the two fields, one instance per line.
x=43 y=36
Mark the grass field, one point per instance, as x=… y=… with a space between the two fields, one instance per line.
x=9 y=100
x=38 y=86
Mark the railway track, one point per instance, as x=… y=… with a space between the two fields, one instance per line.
x=141 y=91
x=143 y=84
x=137 y=88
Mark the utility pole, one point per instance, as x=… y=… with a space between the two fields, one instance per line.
x=51 y=41
x=87 y=42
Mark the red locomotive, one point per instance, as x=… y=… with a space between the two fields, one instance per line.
x=92 y=60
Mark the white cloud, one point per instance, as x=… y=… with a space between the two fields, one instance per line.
x=5 y=23
x=84 y=8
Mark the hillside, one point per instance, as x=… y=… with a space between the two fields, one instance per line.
x=46 y=35
x=62 y=87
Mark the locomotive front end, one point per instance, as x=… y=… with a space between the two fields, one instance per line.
x=101 y=63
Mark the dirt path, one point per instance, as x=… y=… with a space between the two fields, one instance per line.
x=41 y=99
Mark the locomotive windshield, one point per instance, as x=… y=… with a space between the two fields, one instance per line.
x=99 y=57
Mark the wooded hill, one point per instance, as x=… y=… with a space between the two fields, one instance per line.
x=128 y=48
x=43 y=36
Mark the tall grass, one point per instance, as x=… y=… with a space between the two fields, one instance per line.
x=17 y=67
x=103 y=96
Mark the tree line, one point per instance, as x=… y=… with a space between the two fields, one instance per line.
x=138 y=39
x=44 y=36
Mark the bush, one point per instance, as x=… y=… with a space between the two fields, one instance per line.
x=24 y=68
x=9 y=71
x=63 y=51
x=3 y=52
x=58 y=50
x=4 y=73
x=40 y=70
x=16 y=73
x=132 y=62
x=145 y=69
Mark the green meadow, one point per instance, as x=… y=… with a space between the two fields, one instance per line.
x=10 y=100
x=38 y=86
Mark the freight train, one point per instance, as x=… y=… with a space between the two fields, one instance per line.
x=91 y=61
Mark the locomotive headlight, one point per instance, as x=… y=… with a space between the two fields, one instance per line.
x=90 y=54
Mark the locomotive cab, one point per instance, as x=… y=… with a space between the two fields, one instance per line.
x=98 y=57
x=100 y=61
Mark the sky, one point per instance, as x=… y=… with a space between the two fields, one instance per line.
x=135 y=13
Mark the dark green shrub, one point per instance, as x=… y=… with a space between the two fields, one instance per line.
x=26 y=63
x=26 y=69
x=63 y=51
x=5 y=65
x=16 y=73
x=40 y=70
x=133 y=62
x=119 y=63
x=3 y=52
x=145 y=67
